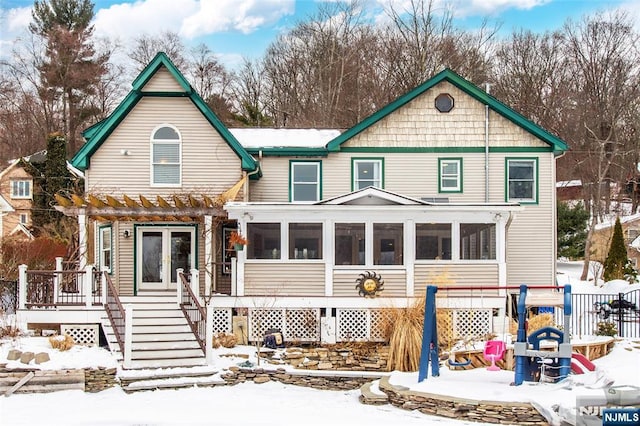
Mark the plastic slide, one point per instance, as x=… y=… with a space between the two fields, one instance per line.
x=580 y=364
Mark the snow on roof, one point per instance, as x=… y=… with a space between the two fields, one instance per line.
x=568 y=183
x=286 y=138
x=612 y=221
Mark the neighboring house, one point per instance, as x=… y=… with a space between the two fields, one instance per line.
x=569 y=190
x=444 y=181
x=603 y=233
x=16 y=195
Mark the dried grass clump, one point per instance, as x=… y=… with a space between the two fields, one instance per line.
x=403 y=329
x=225 y=340
x=62 y=343
x=536 y=322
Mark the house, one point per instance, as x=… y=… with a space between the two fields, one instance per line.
x=16 y=195
x=446 y=181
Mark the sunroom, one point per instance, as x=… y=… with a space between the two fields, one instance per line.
x=319 y=256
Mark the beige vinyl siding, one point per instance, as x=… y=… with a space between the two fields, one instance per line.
x=278 y=279
x=531 y=245
x=209 y=165
x=123 y=258
x=395 y=283
x=162 y=81
x=475 y=274
x=419 y=124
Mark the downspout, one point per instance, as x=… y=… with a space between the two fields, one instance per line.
x=248 y=175
x=486 y=146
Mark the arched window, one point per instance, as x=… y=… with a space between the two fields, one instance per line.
x=165 y=156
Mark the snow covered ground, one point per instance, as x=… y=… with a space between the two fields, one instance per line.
x=278 y=404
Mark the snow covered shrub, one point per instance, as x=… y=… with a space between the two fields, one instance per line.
x=225 y=340
x=63 y=343
x=606 y=329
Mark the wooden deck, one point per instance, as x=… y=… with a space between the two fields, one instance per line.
x=592 y=350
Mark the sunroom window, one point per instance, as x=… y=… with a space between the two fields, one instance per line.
x=350 y=243
x=433 y=241
x=388 y=243
x=477 y=241
x=264 y=241
x=305 y=241
x=165 y=157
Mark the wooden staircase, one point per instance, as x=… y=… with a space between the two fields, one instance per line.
x=162 y=337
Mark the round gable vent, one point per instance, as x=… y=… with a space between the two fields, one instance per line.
x=444 y=102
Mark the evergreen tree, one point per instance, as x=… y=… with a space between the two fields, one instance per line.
x=572 y=230
x=617 y=265
x=53 y=177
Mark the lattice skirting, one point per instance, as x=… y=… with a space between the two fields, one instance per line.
x=296 y=325
x=82 y=334
x=222 y=321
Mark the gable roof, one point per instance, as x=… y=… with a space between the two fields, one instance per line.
x=98 y=133
x=5 y=206
x=448 y=75
x=373 y=196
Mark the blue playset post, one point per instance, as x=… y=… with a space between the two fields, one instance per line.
x=429 y=351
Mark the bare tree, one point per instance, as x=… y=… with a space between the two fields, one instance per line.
x=603 y=58
x=146 y=47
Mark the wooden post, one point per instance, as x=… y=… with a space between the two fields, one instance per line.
x=57 y=279
x=195 y=283
x=179 y=272
x=209 y=335
x=88 y=285
x=103 y=284
x=210 y=264
x=22 y=286
x=128 y=335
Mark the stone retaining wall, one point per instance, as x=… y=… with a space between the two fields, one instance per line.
x=330 y=381
x=360 y=357
x=498 y=412
x=99 y=379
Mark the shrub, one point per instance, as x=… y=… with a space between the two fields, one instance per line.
x=62 y=343
x=606 y=329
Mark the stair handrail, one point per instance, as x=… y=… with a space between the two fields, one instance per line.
x=115 y=311
x=193 y=311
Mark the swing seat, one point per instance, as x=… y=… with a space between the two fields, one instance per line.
x=494 y=351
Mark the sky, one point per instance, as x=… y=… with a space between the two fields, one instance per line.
x=279 y=404
x=236 y=29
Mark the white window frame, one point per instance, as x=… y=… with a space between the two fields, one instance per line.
x=21 y=189
x=293 y=182
x=444 y=162
x=378 y=181
x=24 y=218
x=152 y=165
x=534 y=187
x=105 y=233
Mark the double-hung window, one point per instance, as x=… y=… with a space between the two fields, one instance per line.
x=522 y=175
x=304 y=181
x=367 y=172
x=450 y=175
x=21 y=189
x=165 y=157
x=104 y=246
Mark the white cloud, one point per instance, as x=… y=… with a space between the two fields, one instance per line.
x=461 y=8
x=130 y=20
x=241 y=15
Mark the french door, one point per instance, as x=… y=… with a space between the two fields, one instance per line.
x=160 y=251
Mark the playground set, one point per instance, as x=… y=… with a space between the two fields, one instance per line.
x=543 y=355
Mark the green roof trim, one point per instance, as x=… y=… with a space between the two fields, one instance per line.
x=98 y=133
x=448 y=75
x=289 y=151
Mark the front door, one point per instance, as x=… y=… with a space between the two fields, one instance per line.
x=160 y=252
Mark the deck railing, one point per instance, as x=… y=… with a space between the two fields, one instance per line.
x=60 y=287
x=193 y=311
x=115 y=310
